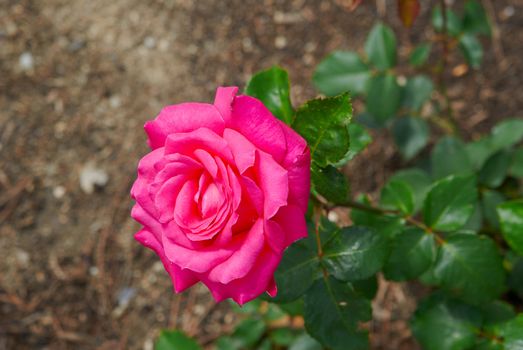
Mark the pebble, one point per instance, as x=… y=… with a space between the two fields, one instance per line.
x=26 y=61
x=149 y=42
x=280 y=42
x=58 y=192
x=92 y=177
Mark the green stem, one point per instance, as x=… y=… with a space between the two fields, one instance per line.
x=444 y=62
x=381 y=211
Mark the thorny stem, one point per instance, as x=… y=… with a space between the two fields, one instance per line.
x=376 y=210
x=317 y=216
x=443 y=69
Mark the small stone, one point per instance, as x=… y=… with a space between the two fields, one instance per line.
x=22 y=257
x=507 y=12
x=115 y=101
x=333 y=216
x=149 y=42
x=26 y=61
x=92 y=177
x=125 y=295
x=280 y=42
x=93 y=271
x=58 y=192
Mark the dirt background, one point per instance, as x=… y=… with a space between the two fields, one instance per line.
x=79 y=78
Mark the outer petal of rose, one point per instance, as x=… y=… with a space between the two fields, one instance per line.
x=242 y=261
x=274 y=182
x=275 y=236
x=146 y=173
x=292 y=221
x=242 y=149
x=297 y=162
x=198 y=260
x=187 y=143
x=182 y=279
x=144 y=217
x=243 y=290
x=223 y=101
x=182 y=118
x=253 y=120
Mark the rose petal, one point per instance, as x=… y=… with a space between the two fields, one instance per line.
x=146 y=173
x=252 y=119
x=183 y=118
x=252 y=285
x=292 y=221
x=223 y=101
x=242 y=149
x=275 y=236
x=273 y=181
x=200 y=260
x=243 y=259
x=182 y=279
x=297 y=162
x=203 y=138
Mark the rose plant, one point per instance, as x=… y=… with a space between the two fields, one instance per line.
x=238 y=194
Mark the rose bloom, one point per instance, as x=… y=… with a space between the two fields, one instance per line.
x=222 y=193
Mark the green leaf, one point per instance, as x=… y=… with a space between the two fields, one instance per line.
x=398 y=195
x=471 y=49
x=445 y=325
x=297 y=271
x=330 y=183
x=420 y=54
x=511 y=219
x=249 y=332
x=227 y=343
x=512 y=333
x=411 y=135
x=489 y=202
x=272 y=87
x=516 y=165
x=449 y=156
x=417 y=91
x=294 y=308
x=380 y=47
x=475 y=19
x=453 y=21
x=175 y=340
x=355 y=253
x=475 y=221
x=479 y=151
x=495 y=169
x=340 y=72
x=450 y=203
x=305 y=342
x=282 y=336
x=332 y=313
x=359 y=139
x=412 y=252
x=515 y=278
x=383 y=97
x=497 y=312
x=367 y=288
x=507 y=133
x=418 y=180
x=470 y=266
x=323 y=124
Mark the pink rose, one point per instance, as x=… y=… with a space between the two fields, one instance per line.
x=222 y=193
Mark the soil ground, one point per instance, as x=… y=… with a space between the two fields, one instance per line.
x=79 y=78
